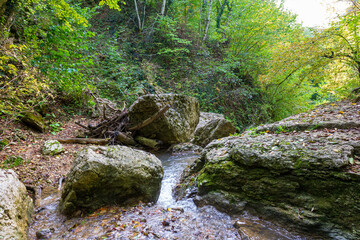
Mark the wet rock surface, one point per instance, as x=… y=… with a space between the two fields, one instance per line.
x=167 y=219
x=16 y=206
x=212 y=126
x=111 y=175
x=308 y=177
x=175 y=126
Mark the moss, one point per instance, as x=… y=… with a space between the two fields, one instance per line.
x=34 y=120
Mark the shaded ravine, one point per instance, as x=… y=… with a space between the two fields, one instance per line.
x=167 y=219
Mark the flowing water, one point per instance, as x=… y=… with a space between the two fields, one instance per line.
x=167 y=219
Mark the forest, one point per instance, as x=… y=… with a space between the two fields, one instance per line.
x=249 y=60
x=186 y=119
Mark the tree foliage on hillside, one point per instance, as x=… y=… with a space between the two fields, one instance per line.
x=248 y=59
x=322 y=65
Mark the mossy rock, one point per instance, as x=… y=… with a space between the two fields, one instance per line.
x=307 y=179
x=52 y=147
x=130 y=176
x=34 y=120
x=176 y=125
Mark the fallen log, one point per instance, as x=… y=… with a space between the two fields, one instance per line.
x=125 y=139
x=148 y=142
x=116 y=129
x=97 y=141
x=150 y=119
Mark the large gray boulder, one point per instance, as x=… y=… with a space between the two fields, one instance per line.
x=175 y=126
x=111 y=175
x=212 y=126
x=16 y=207
x=307 y=179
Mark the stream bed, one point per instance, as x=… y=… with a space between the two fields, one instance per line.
x=167 y=219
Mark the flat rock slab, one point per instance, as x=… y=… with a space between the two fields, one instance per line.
x=340 y=115
x=111 y=175
x=307 y=178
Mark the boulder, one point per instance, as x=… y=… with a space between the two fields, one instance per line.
x=34 y=120
x=175 y=126
x=16 y=207
x=52 y=147
x=185 y=147
x=305 y=179
x=212 y=126
x=111 y=175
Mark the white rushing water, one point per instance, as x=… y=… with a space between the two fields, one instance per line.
x=173 y=167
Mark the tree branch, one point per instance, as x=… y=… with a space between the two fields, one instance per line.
x=150 y=119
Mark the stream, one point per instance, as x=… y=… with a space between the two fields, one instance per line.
x=167 y=219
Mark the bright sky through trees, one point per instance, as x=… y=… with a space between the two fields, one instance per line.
x=315 y=12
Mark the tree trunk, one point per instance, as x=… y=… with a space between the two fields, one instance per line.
x=200 y=17
x=138 y=15
x=220 y=12
x=163 y=8
x=208 y=21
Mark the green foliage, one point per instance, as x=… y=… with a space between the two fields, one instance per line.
x=21 y=87
x=55 y=127
x=3 y=143
x=12 y=161
x=317 y=66
x=57 y=35
x=172 y=48
x=246 y=59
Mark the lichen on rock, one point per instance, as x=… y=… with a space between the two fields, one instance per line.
x=306 y=179
x=175 y=126
x=212 y=126
x=52 y=147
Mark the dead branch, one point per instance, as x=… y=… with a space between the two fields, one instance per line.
x=150 y=119
x=96 y=141
x=115 y=128
x=83 y=126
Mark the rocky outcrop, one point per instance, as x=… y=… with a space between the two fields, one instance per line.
x=34 y=120
x=52 y=147
x=16 y=207
x=212 y=126
x=309 y=179
x=175 y=126
x=111 y=175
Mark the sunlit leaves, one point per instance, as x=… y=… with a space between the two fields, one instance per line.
x=113 y=4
